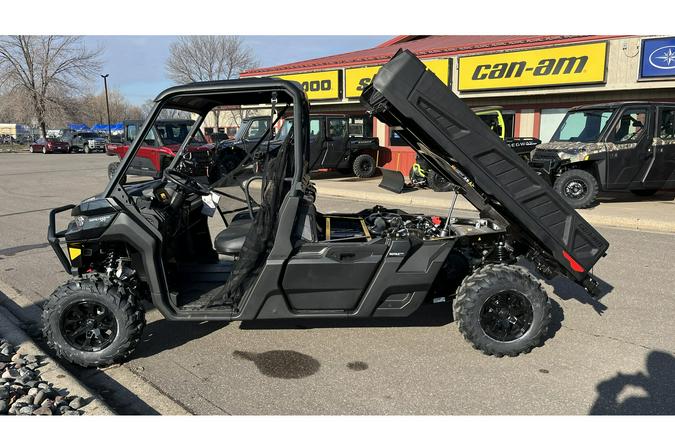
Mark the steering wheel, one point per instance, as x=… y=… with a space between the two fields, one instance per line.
x=189 y=184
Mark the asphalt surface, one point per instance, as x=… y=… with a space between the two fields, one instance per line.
x=607 y=357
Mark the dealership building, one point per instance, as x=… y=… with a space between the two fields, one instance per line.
x=534 y=79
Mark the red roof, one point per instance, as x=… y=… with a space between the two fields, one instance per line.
x=424 y=47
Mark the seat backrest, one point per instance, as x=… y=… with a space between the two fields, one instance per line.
x=305 y=223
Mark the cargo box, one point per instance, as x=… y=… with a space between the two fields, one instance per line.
x=456 y=143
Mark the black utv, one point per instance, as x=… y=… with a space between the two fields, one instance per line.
x=336 y=142
x=283 y=258
x=623 y=146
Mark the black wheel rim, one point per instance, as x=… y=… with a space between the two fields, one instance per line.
x=576 y=189
x=506 y=316
x=365 y=166
x=88 y=326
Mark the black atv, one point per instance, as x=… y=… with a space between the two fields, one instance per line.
x=283 y=258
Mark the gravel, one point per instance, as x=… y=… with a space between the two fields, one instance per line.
x=23 y=392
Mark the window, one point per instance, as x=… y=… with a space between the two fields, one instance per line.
x=667 y=123
x=337 y=128
x=314 y=129
x=630 y=127
x=395 y=139
x=582 y=126
x=257 y=129
x=132 y=131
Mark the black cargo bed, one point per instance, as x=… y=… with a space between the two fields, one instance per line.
x=439 y=126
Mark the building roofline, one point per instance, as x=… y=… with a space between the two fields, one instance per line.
x=375 y=58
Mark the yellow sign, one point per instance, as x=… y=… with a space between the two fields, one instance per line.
x=569 y=65
x=356 y=79
x=318 y=85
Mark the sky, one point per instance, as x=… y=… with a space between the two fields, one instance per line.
x=136 y=63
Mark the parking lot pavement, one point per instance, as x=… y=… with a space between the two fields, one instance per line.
x=610 y=357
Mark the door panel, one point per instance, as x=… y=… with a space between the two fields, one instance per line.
x=627 y=146
x=336 y=140
x=662 y=170
x=317 y=146
x=330 y=276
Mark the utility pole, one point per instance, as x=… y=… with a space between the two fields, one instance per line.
x=107 y=106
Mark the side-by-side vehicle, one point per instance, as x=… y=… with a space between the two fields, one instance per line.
x=281 y=257
x=622 y=146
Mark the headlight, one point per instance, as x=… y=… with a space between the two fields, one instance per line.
x=94 y=221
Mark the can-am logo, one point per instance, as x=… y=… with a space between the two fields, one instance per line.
x=545 y=67
x=663 y=58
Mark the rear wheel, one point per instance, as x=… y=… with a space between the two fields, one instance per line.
x=502 y=310
x=578 y=187
x=364 y=166
x=437 y=182
x=644 y=192
x=91 y=321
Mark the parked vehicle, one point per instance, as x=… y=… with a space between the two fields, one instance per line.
x=622 y=146
x=16 y=133
x=335 y=144
x=86 y=142
x=421 y=175
x=151 y=240
x=160 y=147
x=49 y=145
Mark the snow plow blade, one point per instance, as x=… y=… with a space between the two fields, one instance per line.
x=456 y=143
x=392 y=180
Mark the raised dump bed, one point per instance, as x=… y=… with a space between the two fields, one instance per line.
x=456 y=143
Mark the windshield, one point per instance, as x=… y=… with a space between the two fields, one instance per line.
x=582 y=126
x=88 y=135
x=173 y=133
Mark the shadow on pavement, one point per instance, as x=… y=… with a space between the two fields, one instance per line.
x=619 y=197
x=162 y=335
x=566 y=289
x=657 y=395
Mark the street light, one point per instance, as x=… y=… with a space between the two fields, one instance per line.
x=107 y=106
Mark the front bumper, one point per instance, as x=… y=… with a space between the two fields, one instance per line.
x=53 y=237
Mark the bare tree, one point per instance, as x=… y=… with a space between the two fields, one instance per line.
x=208 y=58
x=44 y=68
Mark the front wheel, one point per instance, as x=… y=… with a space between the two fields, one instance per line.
x=502 y=310
x=44 y=150
x=86 y=149
x=364 y=166
x=92 y=322
x=577 y=187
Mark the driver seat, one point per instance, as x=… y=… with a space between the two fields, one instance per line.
x=231 y=239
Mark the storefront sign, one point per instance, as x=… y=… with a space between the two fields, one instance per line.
x=658 y=58
x=569 y=65
x=356 y=79
x=318 y=85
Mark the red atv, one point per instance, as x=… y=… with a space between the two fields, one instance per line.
x=160 y=147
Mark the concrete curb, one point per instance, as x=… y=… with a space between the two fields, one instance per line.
x=17 y=306
x=51 y=371
x=640 y=224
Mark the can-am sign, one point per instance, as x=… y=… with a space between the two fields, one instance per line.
x=569 y=65
x=658 y=58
